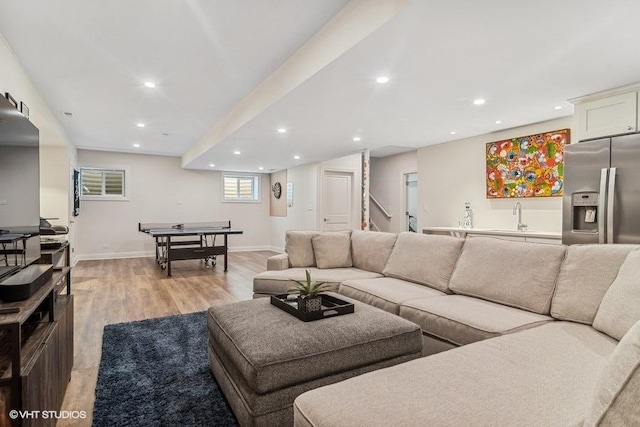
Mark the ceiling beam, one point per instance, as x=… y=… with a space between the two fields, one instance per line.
x=353 y=23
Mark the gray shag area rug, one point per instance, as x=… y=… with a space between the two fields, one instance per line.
x=155 y=373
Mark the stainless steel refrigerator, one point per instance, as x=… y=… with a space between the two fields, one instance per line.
x=601 y=202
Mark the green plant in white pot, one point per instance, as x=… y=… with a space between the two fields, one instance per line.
x=309 y=298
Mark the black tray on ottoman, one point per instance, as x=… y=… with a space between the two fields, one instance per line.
x=331 y=307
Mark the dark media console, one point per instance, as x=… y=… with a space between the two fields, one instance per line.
x=36 y=342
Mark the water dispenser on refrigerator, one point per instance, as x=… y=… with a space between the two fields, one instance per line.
x=584 y=208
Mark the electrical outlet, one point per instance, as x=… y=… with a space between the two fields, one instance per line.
x=3 y=202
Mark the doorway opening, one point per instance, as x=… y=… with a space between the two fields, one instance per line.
x=411 y=201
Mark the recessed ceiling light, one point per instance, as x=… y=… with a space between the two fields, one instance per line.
x=478 y=101
x=136 y=145
x=296 y=157
x=453 y=132
x=498 y=122
x=382 y=79
x=141 y=125
x=260 y=168
x=212 y=165
x=356 y=138
x=282 y=130
x=558 y=107
x=150 y=84
x=236 y=152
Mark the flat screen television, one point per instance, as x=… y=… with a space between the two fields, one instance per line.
x=19 y=187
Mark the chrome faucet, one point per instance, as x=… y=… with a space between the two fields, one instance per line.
x=518 y=208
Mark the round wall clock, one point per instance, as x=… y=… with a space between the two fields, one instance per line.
x=277 y=190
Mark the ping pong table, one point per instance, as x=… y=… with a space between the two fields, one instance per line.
x=175 y=242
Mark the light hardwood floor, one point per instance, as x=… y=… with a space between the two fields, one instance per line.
x=115 y=291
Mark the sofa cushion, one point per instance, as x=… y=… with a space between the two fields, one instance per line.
x=617 y=392
x=620 y=307
x=300 y=249
x=519 y=274
x=278 y=262
x=370 y=250
x=280 y=281
x=585 y=275
x=540 y=377
x=462 y=320
x=332 y=250
x=386 y=293
x=424 y=258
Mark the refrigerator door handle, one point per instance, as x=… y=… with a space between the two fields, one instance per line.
x=611 y=198
x=602 y=198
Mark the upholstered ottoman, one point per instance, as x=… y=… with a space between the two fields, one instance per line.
x=263 y=358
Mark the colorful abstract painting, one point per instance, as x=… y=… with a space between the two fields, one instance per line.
x=527 y=166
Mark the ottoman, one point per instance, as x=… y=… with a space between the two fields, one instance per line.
x=263 y=358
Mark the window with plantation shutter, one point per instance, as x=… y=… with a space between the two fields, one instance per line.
x=240 y=188
x=102 y=184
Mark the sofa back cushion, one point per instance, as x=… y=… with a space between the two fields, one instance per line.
x=332 y=249
x=585 y=275
x=620 y=306
x=519 y=274
x=617 y=391
x=370 y=250
x=300 y=249
x=424 y=258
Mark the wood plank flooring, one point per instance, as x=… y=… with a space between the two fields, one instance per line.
x=115 y=291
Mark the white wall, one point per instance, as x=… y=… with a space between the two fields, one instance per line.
x=278 y=207
x=388 y=187
x=57 y=152
x=161 y=191
x=453 y=173
x=304 y=215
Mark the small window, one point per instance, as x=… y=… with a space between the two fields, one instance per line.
x=241 y=188
x=102 y=184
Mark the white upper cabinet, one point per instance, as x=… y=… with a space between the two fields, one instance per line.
x=608 y=116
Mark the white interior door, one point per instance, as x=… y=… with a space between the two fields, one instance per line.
x=337 y=201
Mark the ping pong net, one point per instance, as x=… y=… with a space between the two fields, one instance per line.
x=214 y=225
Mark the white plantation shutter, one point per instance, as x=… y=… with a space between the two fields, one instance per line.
x=91 y=182
x=240 y=188
x=113 y=183
x=102 y=182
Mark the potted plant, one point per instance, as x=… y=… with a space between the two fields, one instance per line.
x=309 y=298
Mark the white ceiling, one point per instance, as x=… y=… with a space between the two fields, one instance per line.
x=91 y=58
x=523 y=58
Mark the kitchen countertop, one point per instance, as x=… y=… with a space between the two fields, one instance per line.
x=493 y=232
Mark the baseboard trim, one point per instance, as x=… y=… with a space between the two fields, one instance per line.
x=145 y=254
x=115 y=255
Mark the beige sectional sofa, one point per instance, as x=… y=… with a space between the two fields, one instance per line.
x=537 y=328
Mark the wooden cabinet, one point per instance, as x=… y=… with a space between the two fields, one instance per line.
x=36 y=351
x=616 y=114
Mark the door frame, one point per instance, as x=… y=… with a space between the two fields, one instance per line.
x=356 y=194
